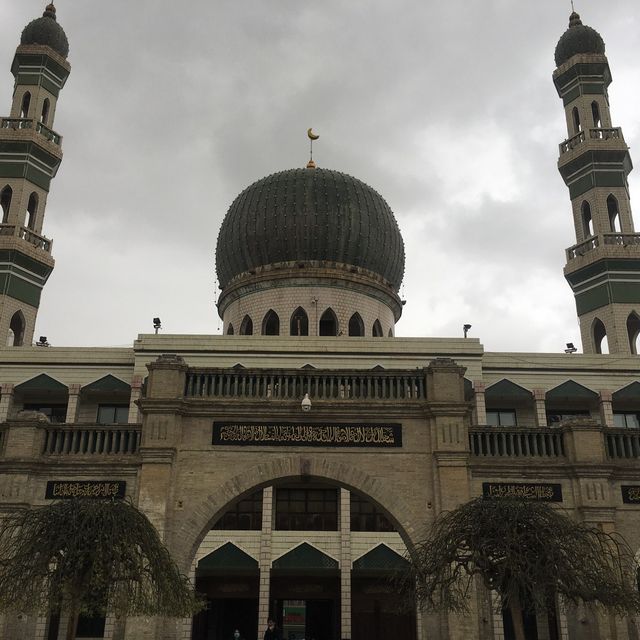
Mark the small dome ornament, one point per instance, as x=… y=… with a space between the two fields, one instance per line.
x=312 y=136
x=578 y=39
x=46 y=31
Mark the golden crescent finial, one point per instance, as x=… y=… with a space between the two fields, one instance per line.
x=312 y=136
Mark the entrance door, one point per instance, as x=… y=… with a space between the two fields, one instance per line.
x=307 y=619
x=223 y=615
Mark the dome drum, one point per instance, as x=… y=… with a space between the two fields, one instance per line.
x=305 y=278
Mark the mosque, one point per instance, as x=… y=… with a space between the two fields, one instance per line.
x=291 y=462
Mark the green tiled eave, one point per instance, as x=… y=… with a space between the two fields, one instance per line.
x=108 y=383
x=583 y=74
x=380 y=559
x=507 y=389
x=39 y=69
x=19 y=159
x=570 y=390
x=306 y=557
x=227 y=558
x=43 y=382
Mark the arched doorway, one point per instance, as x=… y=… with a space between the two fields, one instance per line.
x=310 y=553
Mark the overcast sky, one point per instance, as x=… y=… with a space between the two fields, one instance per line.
x=446 y=108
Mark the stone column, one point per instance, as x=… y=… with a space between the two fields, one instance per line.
x=6 y=401
x=606 y=408
x=264 y=585
x=161 y=436
x=480 y=406
x=136 y=392
x=450 y=445
x=345 y=564
x=72 y=404
x=539 y=398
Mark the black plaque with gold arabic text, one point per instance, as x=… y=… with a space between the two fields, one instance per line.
x=96 y=489
x=295 y=434
x=630 y=494
x=523 y=490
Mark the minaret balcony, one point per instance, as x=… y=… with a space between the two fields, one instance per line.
x=29 y=125
x=611 y=133
x=602 y=243
x=24 y=233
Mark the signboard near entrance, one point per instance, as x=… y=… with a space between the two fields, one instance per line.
x=527 y=491
x=294 y=434
x=65 y=489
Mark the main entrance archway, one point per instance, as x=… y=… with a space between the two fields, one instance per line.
x=310 y=553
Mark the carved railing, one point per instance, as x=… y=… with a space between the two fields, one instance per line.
x=622 y=443
x=583 y=247
x=29 y=123
x=622 y=239
x=607 y=133
x=27 y=234
x=516 y=443
x=292 y=384
x=91 y=440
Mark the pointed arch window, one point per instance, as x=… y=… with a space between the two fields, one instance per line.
x=5 y=202
x=230 y=330
x=390 y=334
x=600 y=341
x=328 y=323
x=577 y=127
x=246 y=327
x=17 y=326
x=595 y=111
x=299 y=325
x=587 y=221
x=26 y=104
x=271 y=324
x=356 y=325
x=633 y=331
x=44 y=116
x=376 y=330
x=614 y=213
x=32 y=210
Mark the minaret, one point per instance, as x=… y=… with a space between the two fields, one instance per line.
x=603 y=267
x=30 y=154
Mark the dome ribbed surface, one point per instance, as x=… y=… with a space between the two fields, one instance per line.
x=46 y=31
x=310 y=215
x=578 y=38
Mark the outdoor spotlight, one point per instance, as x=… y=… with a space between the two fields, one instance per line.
x=465 y=329
x=157 y=324
x=42 y=342
x=570 y=348
x=306 y=403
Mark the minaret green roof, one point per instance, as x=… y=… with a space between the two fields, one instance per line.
x=47 y=31
x=578 y=38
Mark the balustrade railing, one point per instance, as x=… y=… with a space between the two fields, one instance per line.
x=293 y=384
x=622 y=444
x=91 y=441
x=18 y=124
x=516 y=443
x=622 y=239
x=599 y=133
x=27 y=234
x=583 y=247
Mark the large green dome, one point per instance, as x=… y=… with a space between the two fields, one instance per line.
x=310 y=215
x=578 y=38
x=46 y=31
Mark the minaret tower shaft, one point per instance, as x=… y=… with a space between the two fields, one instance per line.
x=30 y=154
x=603 y=267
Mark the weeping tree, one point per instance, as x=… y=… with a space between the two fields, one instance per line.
x=528 y=553
x=89 y=557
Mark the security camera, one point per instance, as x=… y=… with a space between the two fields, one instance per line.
x=306 y=403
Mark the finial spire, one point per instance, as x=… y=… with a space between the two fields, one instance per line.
x=312 y=136
x=50 y=11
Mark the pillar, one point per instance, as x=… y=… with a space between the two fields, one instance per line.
x=480 y=406
x=6 y=401
x=136 y=392
x=72 y=403
x=264 y=585
x=606 y=408
x=539 y=398
x=345 y=564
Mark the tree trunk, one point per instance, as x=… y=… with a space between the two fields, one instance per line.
x=516 y=617
x=72 y=624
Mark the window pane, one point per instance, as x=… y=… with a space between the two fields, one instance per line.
x=507 y=418
x=493 y=418
x=619 y=420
